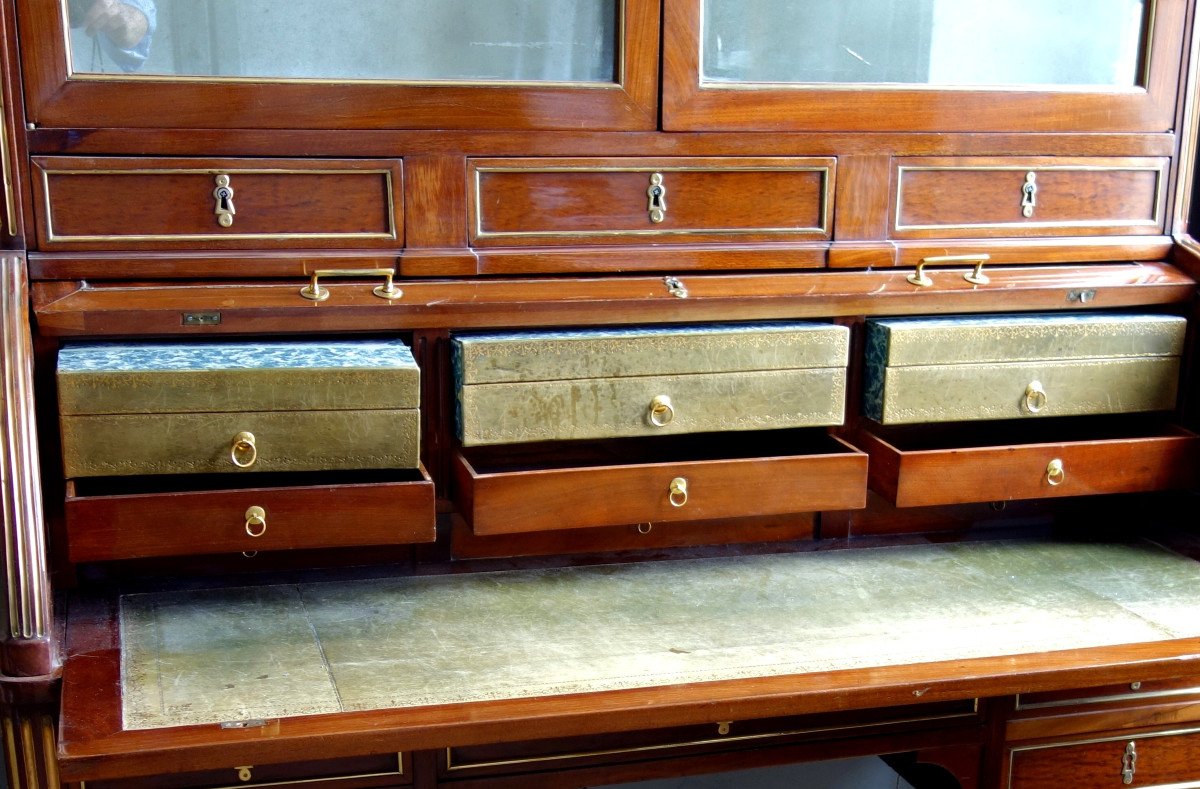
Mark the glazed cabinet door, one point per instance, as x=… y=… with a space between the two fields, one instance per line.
x=457 y=64
x=923 y=65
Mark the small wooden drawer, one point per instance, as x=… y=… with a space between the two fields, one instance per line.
x=970 y=197
x=131 y=518
x=1141 y=691
x=237 y=407
x=959 y=464
x=1018 y=367
x=1156 y=759
x=559 y=385
x=529 y=202
x=359 y=772
x=504 y=490
x=122 y=203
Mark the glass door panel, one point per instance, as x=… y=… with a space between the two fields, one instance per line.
x=342 y=64
x=922 y=65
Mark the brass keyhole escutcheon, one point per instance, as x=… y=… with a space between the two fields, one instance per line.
x=256 y=521
x=244 y=451
x=661 y=412
x=679 y=492
x=656 y=196
x=1029 y=194
x=223 y=194
x=1056 y=474
x=1129 y=763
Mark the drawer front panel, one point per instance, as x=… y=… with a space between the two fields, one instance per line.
x=1010 y=391
x=972 y=197
x=164 y=203
x=1168 y=759
x=968 y=474
x=130 y=526
x=124 y=444
x=533 y=201
x=359 y=772
x=620 y=407
x=513 y=502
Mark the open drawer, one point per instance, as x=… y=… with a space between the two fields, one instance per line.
x=505 y=490
x=926 y=465
x=126 y=518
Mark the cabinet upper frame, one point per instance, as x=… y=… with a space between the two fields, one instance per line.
x=689 y=104
x=57 y=99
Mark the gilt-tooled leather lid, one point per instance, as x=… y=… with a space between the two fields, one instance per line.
x=191 y=377
x=641 y=351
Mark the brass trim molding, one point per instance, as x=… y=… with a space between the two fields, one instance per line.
x=53 y=237
x=24 y=531
x=333 y=779
x=1159 y=694
x=7 y=167
x=1155 y=221
x=452 y=767
x=825 y=171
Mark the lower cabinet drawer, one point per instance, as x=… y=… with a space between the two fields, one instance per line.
x=505 y=490
x=355 y=772
x=960 y=464
x=127 y=519
x=1159 y=759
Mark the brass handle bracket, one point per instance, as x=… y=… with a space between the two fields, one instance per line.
x=388 y=290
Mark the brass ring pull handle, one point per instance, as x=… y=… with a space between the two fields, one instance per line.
x=679 y=492
x=388 y=290
x=661 y=412
x=1035 y=397
x=256 y=521
x=644 y=528
x=1055 y=473
x=244 y=446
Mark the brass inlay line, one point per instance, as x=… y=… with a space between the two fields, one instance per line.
x=49 y=748
x=824 y=171
x=7 y=167
x=451 y=766
x=53 y=236
x=1159 y=694
x=10 y=751
x=92 y=76
x=1012 y=753
x=1154 y=221
x=29 y=753
x=300 y=781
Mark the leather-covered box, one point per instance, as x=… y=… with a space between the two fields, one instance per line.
x=198 y=407
x=1018 y=366
x=615 y=383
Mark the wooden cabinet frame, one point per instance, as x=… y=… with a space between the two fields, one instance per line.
x=689 y=105
x=56 y=98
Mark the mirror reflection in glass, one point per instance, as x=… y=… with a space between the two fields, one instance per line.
x=1094 y=43
x=400 y=40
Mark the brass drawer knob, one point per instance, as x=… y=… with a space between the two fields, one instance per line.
x=1055 y=473
x=256 y=521
x=244 y=452
x=1035 y=397
x=661 y=412
x=679 y=492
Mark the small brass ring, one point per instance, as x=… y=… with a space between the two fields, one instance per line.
x=1055 y=473
x=644 y=528
x=1035 y=397
x=662 y=411
x=249 y=554
x=679 y=492
x=243 y=442
x=256 y=521
x=244 y=773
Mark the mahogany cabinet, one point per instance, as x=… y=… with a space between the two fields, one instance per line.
x=632 y=169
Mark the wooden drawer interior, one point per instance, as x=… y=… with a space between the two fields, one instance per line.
x=572 y=201
x=505 y=489
x=126 y=518
x=959 y=463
